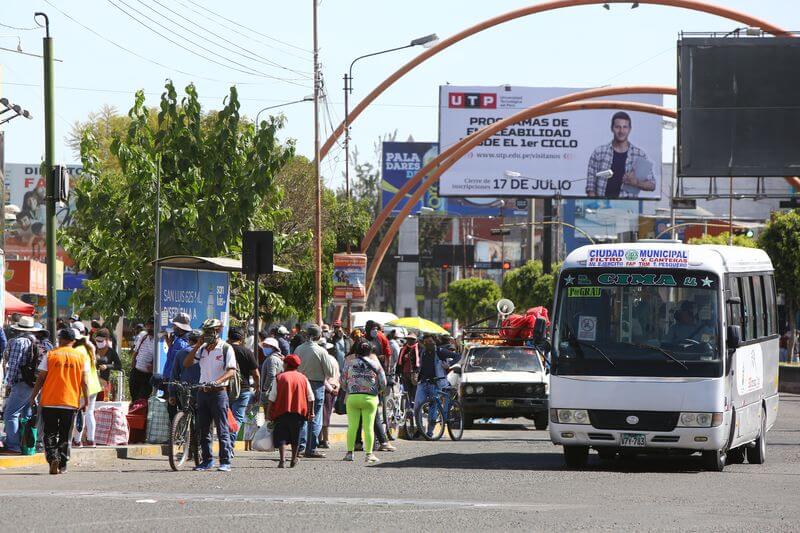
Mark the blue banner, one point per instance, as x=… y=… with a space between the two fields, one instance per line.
x=402 y=160
x=201 y=294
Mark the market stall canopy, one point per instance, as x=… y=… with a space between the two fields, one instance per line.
x=15 y=305
x=359 y=319
x=419 y=324
x=224 y=264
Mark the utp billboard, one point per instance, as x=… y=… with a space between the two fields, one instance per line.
x=587 y=153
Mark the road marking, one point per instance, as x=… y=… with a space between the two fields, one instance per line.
x=280 y=499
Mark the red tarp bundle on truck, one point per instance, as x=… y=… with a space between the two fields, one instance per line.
x=521 y=326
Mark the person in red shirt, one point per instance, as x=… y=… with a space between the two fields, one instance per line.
x=379 y=342
x=290 y=403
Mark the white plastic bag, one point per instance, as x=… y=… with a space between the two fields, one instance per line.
x=262 y=440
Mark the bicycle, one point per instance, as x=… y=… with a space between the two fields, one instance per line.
x=444 y=401
x=183 y=441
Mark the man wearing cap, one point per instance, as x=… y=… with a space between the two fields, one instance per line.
x=181 y=325
x=16 y=356
x=283 y=340
x=272 y=365
x=142 y=367
x=63 y=377
x=317 y=367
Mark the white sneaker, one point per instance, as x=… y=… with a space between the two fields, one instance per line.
x=348 y=457
x=372 y=458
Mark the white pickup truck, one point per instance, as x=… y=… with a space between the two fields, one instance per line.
x=502 y=381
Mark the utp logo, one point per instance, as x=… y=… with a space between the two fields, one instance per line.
x=473 y=100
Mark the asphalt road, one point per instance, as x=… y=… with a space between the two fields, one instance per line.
x=500 y=477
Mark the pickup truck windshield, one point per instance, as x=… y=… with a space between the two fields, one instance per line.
x=503 y=359
x=637 y=322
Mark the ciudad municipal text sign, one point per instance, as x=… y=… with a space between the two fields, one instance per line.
x=587 y=153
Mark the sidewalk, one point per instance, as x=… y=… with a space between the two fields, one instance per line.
x=337 y=434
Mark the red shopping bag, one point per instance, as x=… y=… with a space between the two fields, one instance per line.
x=233 y=427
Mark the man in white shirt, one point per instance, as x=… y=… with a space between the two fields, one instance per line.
x=217 y=365
x=142 y=367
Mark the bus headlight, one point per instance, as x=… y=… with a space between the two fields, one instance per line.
x=699 y=420
x=570 y=416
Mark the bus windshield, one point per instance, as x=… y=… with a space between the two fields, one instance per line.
x=637 y=322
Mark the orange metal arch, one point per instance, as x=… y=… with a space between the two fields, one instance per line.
x=693 y=5
x=569 y=102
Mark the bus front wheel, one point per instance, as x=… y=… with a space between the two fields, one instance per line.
x=576 y=456
x=757 y=454
x=714 y=460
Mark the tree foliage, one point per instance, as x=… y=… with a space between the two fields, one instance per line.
x=214 y=168
x=528 y=286
x=471 y=299
x=722 y=238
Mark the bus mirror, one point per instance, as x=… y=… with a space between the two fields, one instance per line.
x=734 y=337
x=539 y=329
x=734 y=300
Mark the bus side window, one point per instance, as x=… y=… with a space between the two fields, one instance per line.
x=770 y=309
x=758 y=307
x=748 y=323
x=734 y=315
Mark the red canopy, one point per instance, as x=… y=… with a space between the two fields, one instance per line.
x=15 y=305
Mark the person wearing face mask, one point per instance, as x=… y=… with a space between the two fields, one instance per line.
x=142 y=367
x=408 y=363
x=434 y=362
x=107 y=360
x=379 y=342
x=217 y=362
x=177 y=342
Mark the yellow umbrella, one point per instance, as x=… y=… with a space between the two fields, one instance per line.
x=418 y=323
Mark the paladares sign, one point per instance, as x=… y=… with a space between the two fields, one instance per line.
x=638 y=257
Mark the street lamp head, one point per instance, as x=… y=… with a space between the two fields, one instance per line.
x=27 y=114
x=427 y=41
x=4 y=101
x=17 y=109
x=606 y=6
x=634 y=5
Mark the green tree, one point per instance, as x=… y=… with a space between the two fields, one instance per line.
x=528 y=286
x=471 y=299
x=781 y=241
x=722 y=238
x=215 y=168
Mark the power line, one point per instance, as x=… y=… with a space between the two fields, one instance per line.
x=140 y=56
x=19 y=28
x=247 y=55
x=250 y=71
x=250 y=29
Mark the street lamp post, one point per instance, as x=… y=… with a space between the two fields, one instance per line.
x=426 y=41
x=309 y=98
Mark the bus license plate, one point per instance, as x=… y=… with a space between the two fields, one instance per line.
x=505 y=403
x=635 y=440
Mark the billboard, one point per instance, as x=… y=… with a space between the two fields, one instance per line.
x=737 y=107
x=25 y=189
x=402 y=160
x=349 y=275
x=572 y=155
x=201 y=294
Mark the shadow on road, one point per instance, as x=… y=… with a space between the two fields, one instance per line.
x=546 y=462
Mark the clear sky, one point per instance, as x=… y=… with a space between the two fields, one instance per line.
x=576 y=47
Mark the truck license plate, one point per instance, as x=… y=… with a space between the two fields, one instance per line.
x=505 y=403
x=635 y=440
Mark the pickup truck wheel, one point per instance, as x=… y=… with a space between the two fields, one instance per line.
x=576 y=456
x=540 y=420
x=736 y=456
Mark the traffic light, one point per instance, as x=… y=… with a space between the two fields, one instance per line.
x=506 y=265
x=445 y=266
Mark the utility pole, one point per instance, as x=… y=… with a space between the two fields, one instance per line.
x=318 y=210
x=49 y=148
x=547 y=237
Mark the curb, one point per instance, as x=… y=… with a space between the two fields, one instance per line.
x=133 y=451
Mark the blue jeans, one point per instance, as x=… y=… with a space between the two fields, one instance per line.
x=425 y=391
x=309 y=434
x=239 y=408
x=16 y=405
x=213 y=406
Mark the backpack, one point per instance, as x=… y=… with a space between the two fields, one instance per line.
x=28 y=370
x=235 y=383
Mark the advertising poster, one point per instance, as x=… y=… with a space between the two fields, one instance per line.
x=201 y=294
x=578 y=154
x=25 y=189
x=402 y=160
x=349 y=275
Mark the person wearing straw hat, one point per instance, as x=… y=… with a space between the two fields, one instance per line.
x=181 y=326
x=18 y=387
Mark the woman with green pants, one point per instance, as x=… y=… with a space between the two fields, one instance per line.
x=363 y=379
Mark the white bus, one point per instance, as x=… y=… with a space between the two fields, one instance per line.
x=663 y=346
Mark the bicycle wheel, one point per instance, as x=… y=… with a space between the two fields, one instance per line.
x=390 y=418
x=409 y=424
x=180 y=440
x=194 y=443
x=455 y=420
x=431 y=427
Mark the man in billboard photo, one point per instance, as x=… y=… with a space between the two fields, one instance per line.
x=630 y=169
